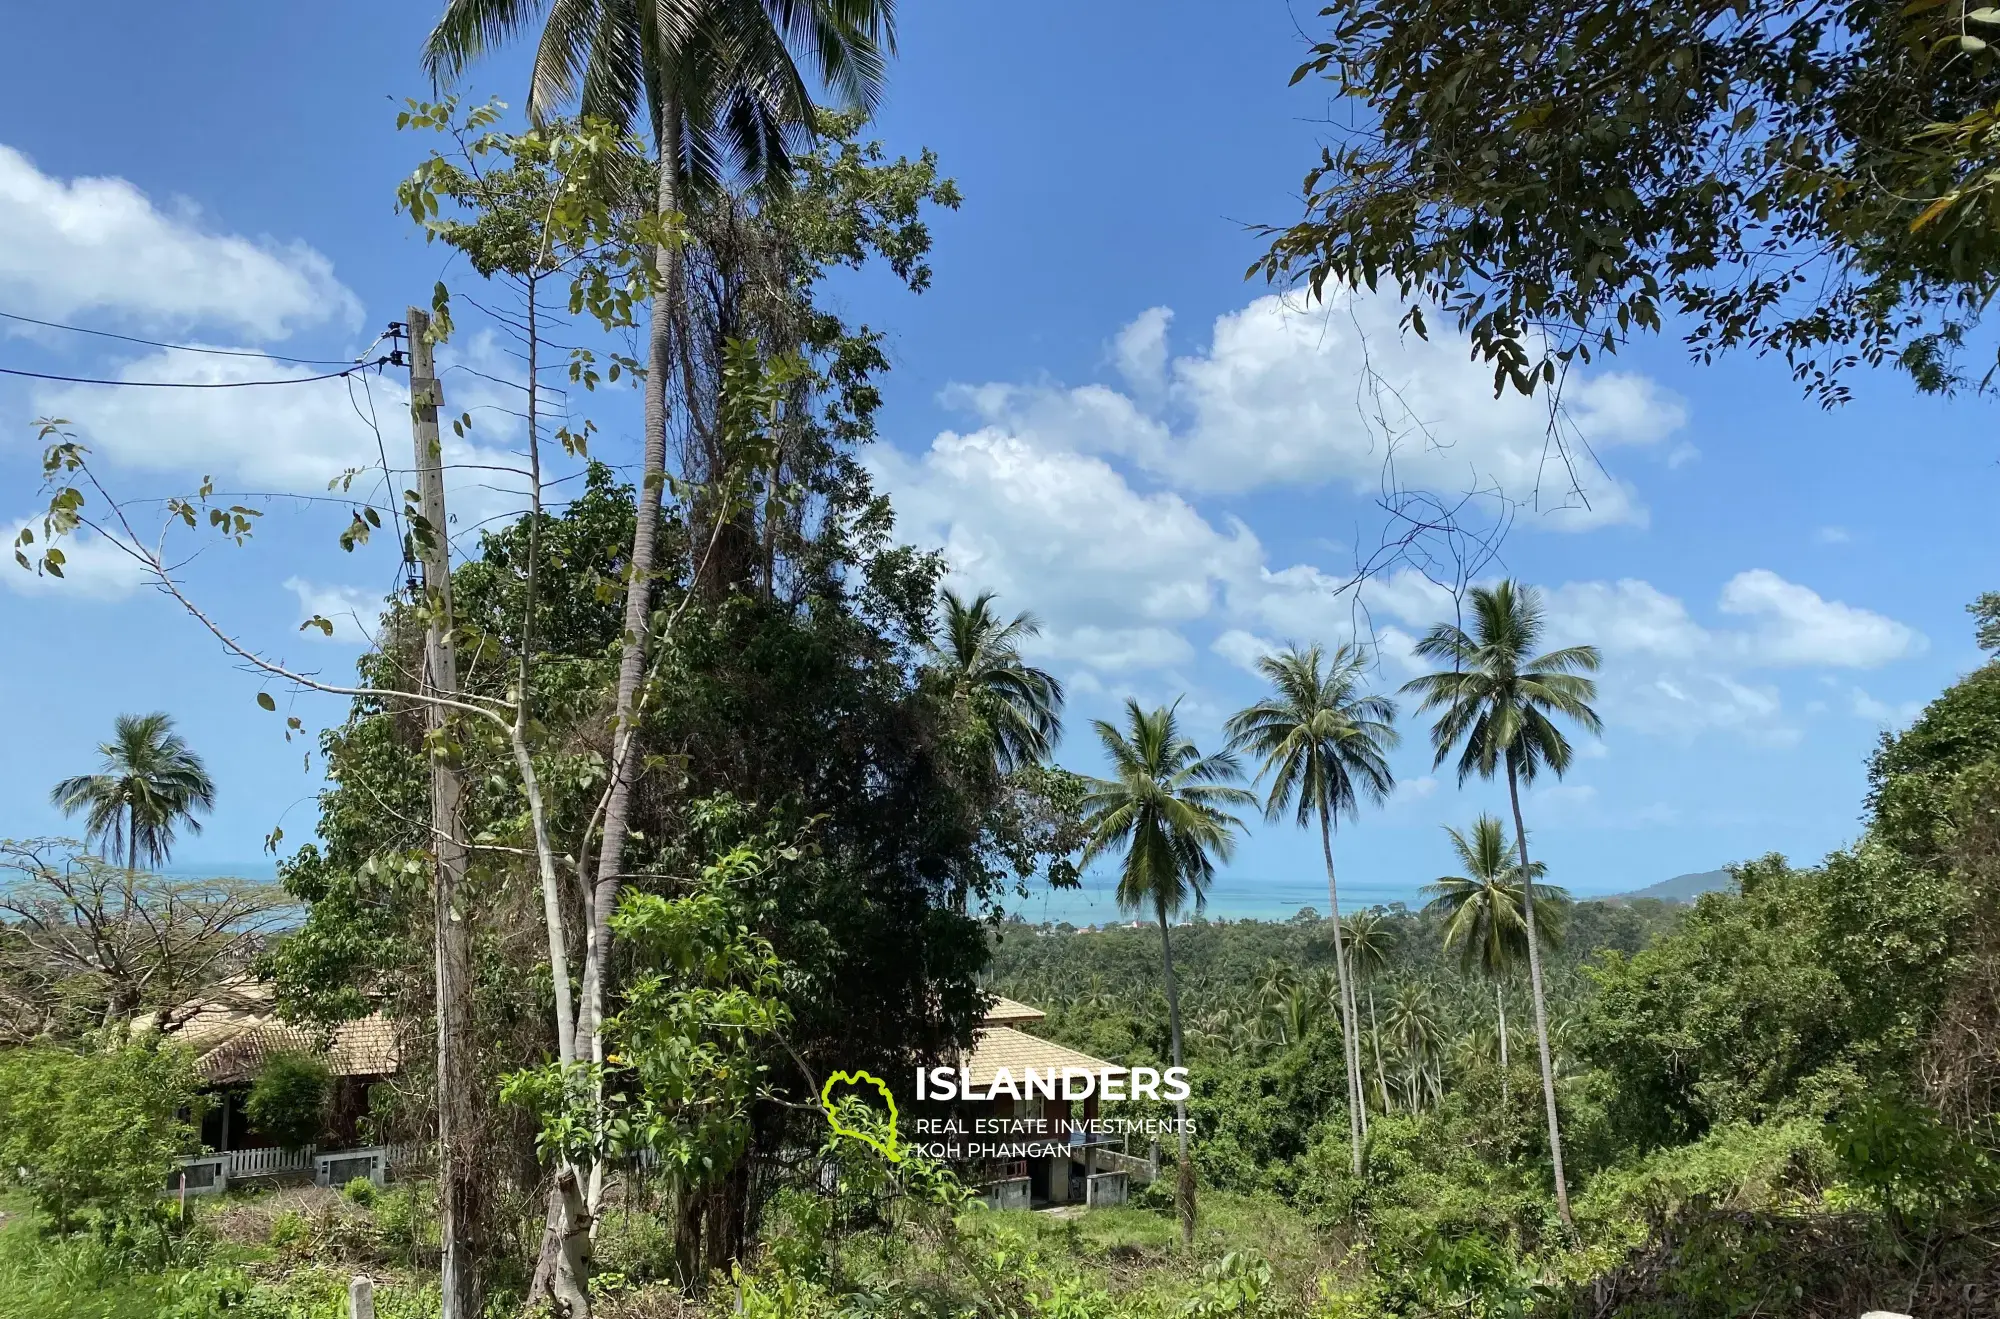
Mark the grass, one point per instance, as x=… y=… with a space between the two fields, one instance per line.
x=74 y=1279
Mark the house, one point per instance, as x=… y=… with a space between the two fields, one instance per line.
x=1038 y=1149
x=234 y=1031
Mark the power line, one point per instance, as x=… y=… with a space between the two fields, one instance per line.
x=179 y=347
x=195 y=384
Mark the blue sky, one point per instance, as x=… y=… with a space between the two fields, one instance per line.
x=1091 y=410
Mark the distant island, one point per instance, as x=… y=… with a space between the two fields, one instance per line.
x=1681 y=888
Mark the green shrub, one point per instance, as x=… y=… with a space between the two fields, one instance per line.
x=94 y=1134
x=289 y=1099
x=361 y=1191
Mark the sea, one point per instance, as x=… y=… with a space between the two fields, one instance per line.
x=1232 y=898
x=1259 y=898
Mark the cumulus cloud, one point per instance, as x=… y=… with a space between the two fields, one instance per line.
x=1112 y=571
x=1668 y=673
x=1792 y=625
x=100 y=245
x=291 y=439
x=1279 y=397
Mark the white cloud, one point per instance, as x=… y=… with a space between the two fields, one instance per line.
x=1278 y=398
x=1243 y=649
x=356 y=613
x=100 y=245
x=1140 y=350
x=291 y=439
x=1882 y=712
x=1793 y=625
x=1833 y=535
x=1112 y=571
x=92 y=568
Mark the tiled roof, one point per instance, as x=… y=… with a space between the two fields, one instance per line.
x=1005 y=1010
x=358 y=1048
x=998 y=1046
x=236 y=1028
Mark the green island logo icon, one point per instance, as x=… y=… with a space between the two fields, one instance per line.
x=885 y=1144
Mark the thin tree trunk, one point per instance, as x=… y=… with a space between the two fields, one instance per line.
x=1184 y=1181
x=1541 y=1009
x=1500 y=1003
x=563 y=1263
x=638 y=603
x=1375 y=1037
x=1350 y=1046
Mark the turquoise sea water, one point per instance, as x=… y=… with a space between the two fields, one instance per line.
x=1233 y=898
x=1230 y=899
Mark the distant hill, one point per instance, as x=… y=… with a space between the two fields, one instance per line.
x=1681 y=888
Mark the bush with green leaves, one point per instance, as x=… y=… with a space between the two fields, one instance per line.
x=93 y=1133
x=289 y=1099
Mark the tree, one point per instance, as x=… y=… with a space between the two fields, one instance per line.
x=99 y=941
x=1323 y=744
x=718 y=84
x=980 y=658
x=1483 y=911
x=1167 y=807
x=1497 y=698
x=92 y=1134
x=1807 y=177
x=288 y=1100
x=1416 y=1027
x=1371 y=939
x=151 y=781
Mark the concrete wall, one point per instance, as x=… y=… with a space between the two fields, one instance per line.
x=1106 y=1189
x=1010 y=1194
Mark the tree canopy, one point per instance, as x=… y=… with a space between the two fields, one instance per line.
x=1811 y=178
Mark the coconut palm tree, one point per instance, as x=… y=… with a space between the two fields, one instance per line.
x=1500 y=700
x=150 y=783
x=717 y=85
x=1168 y=808
x=1415 y=1027
x=1323 y=744
x=1370 y=939
x=979 y=656
x=1483 y=915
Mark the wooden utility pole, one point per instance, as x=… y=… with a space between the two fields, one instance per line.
x=457 y=1106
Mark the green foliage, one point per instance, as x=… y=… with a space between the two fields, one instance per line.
x=1557 y=176
x=1911 y=1163
x=1774 y=1003
x=93 y=1134
x=1910 y=774
x=288 y=1100
x=150 y=782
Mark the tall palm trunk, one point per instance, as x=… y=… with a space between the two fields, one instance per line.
x=132 y=838
x=638 y=601
x=1184 y=1175
x=1349 y=1044
x=1500 y=1004
x=1375 y=1037
x=1541 y=1009
x=563 y=1266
